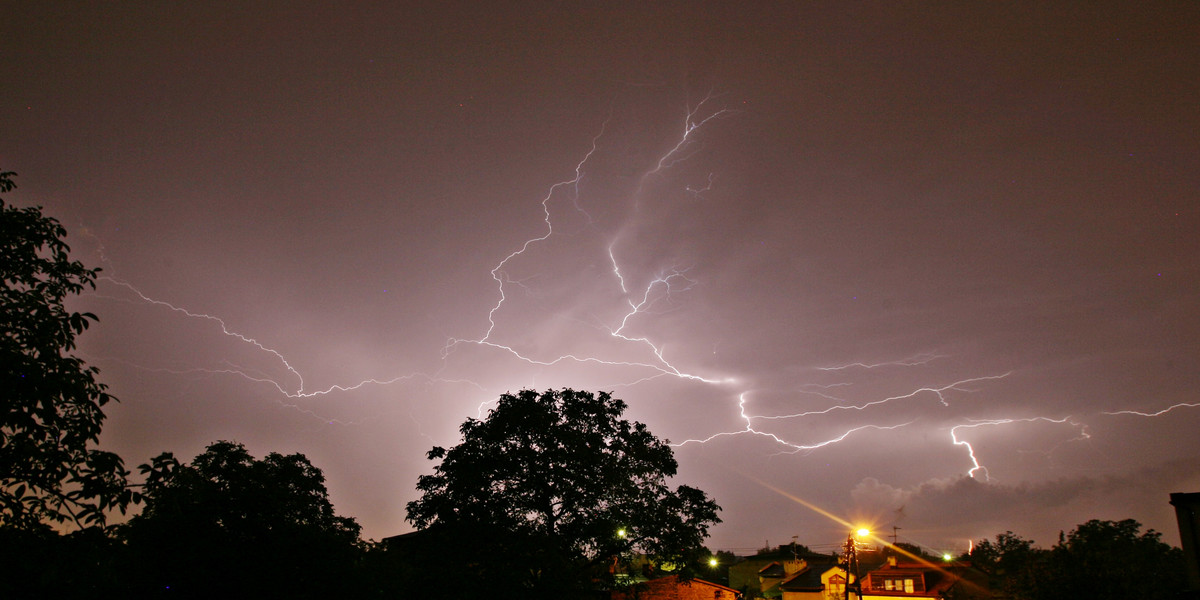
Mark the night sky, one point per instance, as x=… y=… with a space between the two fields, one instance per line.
x=926 y=265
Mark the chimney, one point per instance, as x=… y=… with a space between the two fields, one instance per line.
x=1187 y=513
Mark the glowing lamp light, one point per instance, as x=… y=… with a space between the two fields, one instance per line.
x=621 y=533
x=947 y=557
x=862 y=533
x=712 y=562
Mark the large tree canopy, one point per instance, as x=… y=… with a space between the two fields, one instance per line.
x=1114 y=560
x=563 y=468
x=52 y=403
x=229 y=524
x=1097 y=559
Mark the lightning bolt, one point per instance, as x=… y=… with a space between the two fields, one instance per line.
x=936 y=391
x=673 y=281
x=976 y=466
x=1155 y=414
x=683 y=149
x=636 y=305
x=915 y=361
x=792 y=446
x=498 y=269
x=298 y=392
x=220 y=322
x=697 y=192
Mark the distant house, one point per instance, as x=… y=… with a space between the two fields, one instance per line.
x=772 y=575
x=763 y=574
x=758 y=573
x=816 y=582
x=925 y=580
x=674 y=588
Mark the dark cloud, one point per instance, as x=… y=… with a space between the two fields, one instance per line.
x=938 y=512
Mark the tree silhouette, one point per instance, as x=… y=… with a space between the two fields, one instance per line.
x=1114 y=560
x=557 y=484
x=52 y=404
x=228 y=525
x=1098 y=559
x=1014 y=566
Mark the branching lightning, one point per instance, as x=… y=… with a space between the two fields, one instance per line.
x=676 y=154
x=1154 y=414
x=691 y=123
x=636 y=304
x=914 y=361
x=298 y=392
x=224 y=329
x=498 y=269
x=939 y=392
x=975 y=465
x=794 y=447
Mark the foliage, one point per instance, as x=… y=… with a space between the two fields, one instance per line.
x=1015 y=566
x=37 y=564
x=1098 y=560
x=228 y=524
x=52 y=402
x=915 y=550
x=1114 y=560
x=560 y=484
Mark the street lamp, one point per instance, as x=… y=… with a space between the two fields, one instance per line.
x=851 y=558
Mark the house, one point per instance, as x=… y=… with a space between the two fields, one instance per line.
x=674 y=588
x=762 y=574
x=895 y=579
x=770 y=576
x=751 y=573
x=816 y=582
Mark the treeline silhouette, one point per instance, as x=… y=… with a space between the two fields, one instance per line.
x=224 y=526
x=1104 y=560
x=230 y=526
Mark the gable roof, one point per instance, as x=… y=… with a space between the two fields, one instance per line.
x=808 y=580
x=772 y=570
x=935 y=580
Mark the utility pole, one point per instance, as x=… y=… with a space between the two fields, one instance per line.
x=851 y=558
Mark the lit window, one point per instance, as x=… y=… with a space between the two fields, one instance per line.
x=888 y=585
x=908 y=586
